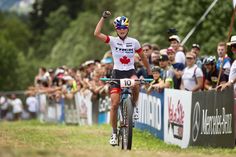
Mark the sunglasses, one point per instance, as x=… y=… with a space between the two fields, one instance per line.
x=189 y=58
x=145 y=49
x=120 y=28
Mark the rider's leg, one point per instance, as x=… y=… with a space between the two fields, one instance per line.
x=135 y=95
x=115 y=99
x=135 y=91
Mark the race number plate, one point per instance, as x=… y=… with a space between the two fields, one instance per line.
x=126 y=82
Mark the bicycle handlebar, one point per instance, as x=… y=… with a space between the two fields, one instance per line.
x=140 y=80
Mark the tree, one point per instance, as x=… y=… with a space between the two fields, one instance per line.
x=57 y=21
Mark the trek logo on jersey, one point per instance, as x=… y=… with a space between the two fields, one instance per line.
x=124 y=60
x=129 y=45
x=122 y=50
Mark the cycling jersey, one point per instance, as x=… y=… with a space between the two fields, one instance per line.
x=123 y=52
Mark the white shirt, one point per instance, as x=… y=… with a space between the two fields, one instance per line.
x=3 y=103
x=189 y=78
x=17 y=105
x=32 y=104
x=180 y=57
x=123 y=52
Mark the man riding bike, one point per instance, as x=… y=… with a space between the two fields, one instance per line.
x=123 y=49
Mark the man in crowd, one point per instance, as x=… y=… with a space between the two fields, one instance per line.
x=167 y=72
x=147 y=50
x=155 y=56
x=211 y=75
x=17 y=107
x=232 y=74
x=32 y=104
x=223 y=63
x=175 y=44
x=177 y=68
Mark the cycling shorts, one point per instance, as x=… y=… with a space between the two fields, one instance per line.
x=117 y=74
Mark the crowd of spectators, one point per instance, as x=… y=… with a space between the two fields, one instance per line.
x=172 y=67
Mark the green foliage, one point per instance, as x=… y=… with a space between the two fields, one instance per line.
x=57 y=21
x=62 y=31
x=77 y=43
x=14 y=41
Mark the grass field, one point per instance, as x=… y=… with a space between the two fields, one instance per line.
x=33 y=139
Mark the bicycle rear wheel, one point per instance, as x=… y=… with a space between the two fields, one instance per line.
x=127 y=130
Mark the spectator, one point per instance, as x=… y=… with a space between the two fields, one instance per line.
x=212 y=74
x=167 y=72
x=223 y=62
x=163 y=52
x=157 y=83
x=43 y=76
x=17 y=106
x=32 y=104
x=177 y=68
x=3 y=107
x=147 y=49
x=196 y=49
x=140 y=70
x=155 y=47
x=192 y=79
x=175 y=44
x=232 y=74
x=155 y=56
x=108 y=65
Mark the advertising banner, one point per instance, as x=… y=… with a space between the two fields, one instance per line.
x=177 y=115
x=104 y=106
x=212 y=118
x=84 y=107
x=151 y=113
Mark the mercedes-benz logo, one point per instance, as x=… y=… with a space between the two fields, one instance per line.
x=196 y=122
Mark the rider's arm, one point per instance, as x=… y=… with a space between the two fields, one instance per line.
x=97 y=32
x=145 y=62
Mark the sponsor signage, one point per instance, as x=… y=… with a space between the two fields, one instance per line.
x=177 y=114
x=84 y=107
x=151 y=113
x=104 y=106
x=212 y=118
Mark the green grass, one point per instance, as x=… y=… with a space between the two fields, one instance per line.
x=31 y=138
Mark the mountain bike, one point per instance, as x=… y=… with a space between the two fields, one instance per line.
x=125 y=111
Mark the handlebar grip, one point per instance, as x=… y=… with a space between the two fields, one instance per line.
x=148 y=79
x=105 y=79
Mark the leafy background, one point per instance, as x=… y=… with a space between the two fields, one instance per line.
x=60 y=32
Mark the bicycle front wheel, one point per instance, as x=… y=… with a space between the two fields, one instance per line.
x=127 y=131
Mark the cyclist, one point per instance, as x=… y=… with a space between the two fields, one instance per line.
x=123 y=50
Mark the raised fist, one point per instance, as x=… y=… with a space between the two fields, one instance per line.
x=106 y=14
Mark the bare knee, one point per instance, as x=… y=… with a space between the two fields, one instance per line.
x=115 y=99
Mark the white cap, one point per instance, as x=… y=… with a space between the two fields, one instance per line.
x=232 y=40
x=174 y=37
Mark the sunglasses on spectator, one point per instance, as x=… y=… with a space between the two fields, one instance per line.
x=145 y=49
x=189 y=58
